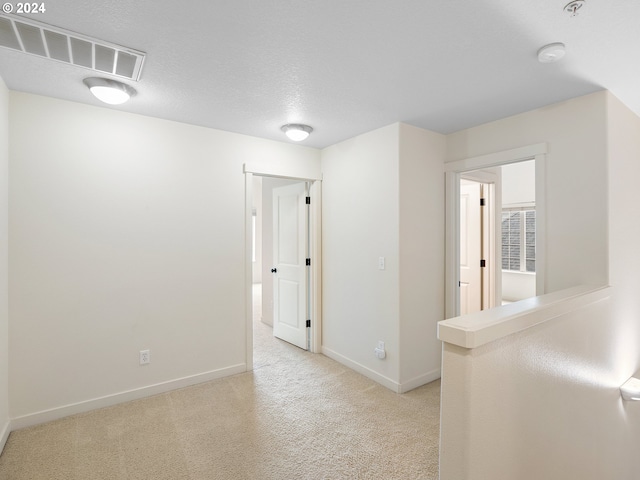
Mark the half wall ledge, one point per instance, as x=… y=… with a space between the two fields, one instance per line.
x=476 y=329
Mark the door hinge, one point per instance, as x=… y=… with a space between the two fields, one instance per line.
x=308 y=323
x=482 y=204
x=308 y=262
x=308 y=200
x=483 y=263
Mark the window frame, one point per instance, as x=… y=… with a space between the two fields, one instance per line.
x=522 y=210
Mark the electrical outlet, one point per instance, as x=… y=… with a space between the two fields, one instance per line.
x=145 y=357
x=379 y=351
x=380 y=344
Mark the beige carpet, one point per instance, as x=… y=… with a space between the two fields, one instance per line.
x=296 y=416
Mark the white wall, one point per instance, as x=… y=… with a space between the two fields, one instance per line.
x=360 y=223
x=545 y=403
x=517 y=286
x=518 y=183
x=539 y=404
x=383 y=195
x=421 y=254
x=620 y=429
x=126 y=232
x=576 y=203
x=4 y=299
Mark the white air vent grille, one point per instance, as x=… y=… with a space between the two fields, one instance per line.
x=28 y=36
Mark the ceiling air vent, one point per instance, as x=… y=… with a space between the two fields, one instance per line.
x=28 y=36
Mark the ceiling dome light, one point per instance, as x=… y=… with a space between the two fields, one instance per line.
x=296 y=131
x=109 y=91
x=551 y=53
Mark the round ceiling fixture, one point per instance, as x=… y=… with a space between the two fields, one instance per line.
x=296 y=131
x=551 y=53
x=109 y=91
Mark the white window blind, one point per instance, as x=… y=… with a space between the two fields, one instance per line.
x=519 y=239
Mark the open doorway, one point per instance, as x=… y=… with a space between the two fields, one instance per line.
x=281 y=247
x=497 y=236
x=280 y=297
x=495 y=229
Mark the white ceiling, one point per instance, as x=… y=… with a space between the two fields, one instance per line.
x=345 y=67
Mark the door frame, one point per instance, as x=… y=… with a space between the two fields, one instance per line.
x=315 y=239
x=453 y=171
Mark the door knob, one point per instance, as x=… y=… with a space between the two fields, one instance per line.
x=274 y=270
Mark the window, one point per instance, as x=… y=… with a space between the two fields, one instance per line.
x=519 y=239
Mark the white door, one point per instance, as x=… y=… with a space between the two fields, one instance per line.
x=290 y=227
x=470 y=248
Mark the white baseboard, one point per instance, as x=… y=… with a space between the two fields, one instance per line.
x=381 y=379
x=420 y=380
x=366 y=371
x=116 y=398
x=4 y=434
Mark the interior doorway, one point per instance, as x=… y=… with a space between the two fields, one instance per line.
x=496 y=240
x=301 y=303
x=282 y=249
x=497 y=236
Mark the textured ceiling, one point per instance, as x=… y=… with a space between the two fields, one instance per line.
x=345 y=67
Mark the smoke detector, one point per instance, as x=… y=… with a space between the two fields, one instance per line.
x=551 y=53
x=573 y=7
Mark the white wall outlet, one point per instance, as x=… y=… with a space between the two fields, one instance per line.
x=145 y=357
x=379 y=351
x=380 y=263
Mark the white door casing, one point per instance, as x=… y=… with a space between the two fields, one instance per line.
x=290 y=245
